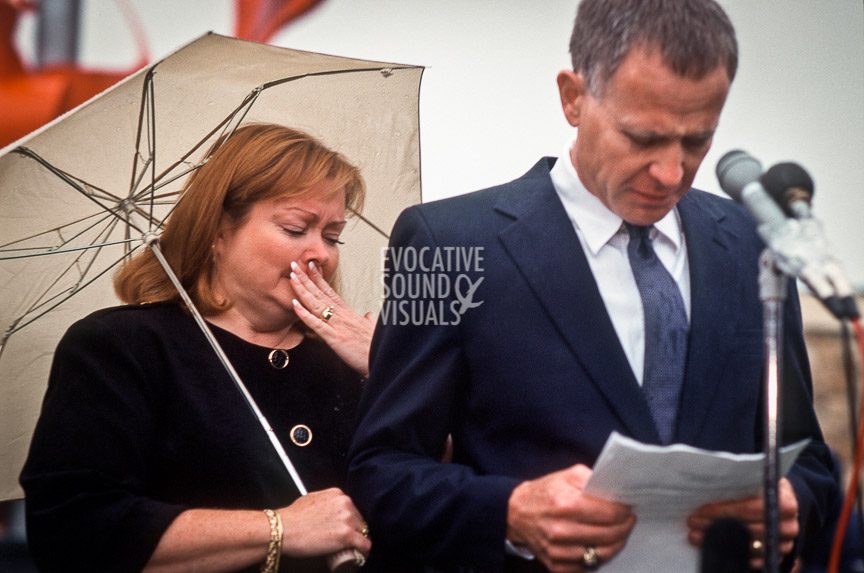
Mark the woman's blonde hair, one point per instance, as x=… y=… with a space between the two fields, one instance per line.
x=255 y=163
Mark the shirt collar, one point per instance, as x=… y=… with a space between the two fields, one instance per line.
x=597 y=223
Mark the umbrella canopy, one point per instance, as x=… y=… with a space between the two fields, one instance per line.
x=79 y=195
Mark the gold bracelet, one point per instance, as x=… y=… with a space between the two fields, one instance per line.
x=274 y=547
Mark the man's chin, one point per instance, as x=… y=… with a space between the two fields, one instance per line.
x=644 y=209
x=645 y=217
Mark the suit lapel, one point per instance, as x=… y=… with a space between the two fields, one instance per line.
x=544 y=246
x=713 y=307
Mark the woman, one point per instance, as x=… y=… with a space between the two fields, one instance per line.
x=145 y=455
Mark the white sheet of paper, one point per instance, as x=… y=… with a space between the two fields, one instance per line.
x=664 y=484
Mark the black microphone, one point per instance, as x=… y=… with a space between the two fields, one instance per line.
x=791 y=187
x=726 y=548
x=799 y=246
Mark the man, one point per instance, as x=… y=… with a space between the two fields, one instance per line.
x=553 y=348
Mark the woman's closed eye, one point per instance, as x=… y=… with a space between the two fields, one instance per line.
x=331 y=238
x=294 y=231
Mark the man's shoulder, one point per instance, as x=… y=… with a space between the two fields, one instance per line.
x=467 y=207
x=716 y=206
x=724 y=220
x=712 y=199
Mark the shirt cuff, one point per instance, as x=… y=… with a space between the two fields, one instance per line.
x=517 y=550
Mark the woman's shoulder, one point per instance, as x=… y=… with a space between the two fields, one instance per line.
x=134 y=315
x=130 y=322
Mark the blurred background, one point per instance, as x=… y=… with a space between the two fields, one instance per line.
x=489 y=104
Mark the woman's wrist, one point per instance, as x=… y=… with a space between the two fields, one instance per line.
x=274 y=544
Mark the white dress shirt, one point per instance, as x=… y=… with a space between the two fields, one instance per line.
x=604 y=241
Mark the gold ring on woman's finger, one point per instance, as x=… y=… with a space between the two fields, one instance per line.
x=364 y=530
x=590 y=558
x=327 y=313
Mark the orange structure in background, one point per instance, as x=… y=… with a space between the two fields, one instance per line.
x=259 y=20
x=30 y=98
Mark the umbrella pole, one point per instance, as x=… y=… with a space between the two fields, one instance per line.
x=344 y=561
x=152 y=241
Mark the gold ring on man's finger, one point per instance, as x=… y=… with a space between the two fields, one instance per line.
x=590 y=558
x=756 y=548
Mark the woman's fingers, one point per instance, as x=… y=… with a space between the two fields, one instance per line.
x=324 y=311
x=312 y=296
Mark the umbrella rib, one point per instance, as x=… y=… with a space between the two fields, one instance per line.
x=74 y=184
x=243 y=110
x=143 y=213
x=68 y=294
x=148 y=80
x=146 y=129
x=152 y=191
x=370 y=223
x=386 y=70
x=64 y=295
x=81 y=272
x=147 y=111
x=162 y=182
x=61 y=251
x=58 y=249
x=138 y=179
x=65 y=241
x=94 y=254
x=223 y=125
x=55 y=230
x=151 y=138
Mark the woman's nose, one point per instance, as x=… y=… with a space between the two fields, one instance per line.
x=318 y=251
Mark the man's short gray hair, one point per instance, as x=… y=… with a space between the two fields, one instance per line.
x=694 y=37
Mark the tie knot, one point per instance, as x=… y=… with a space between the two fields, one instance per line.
x=639 y=232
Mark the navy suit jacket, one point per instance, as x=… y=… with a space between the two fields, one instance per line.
x=534 y=379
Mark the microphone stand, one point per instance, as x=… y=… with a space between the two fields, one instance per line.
x=773 y=286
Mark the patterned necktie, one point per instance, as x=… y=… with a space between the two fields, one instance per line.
x=666 y=331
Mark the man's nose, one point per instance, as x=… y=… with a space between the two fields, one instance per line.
x=668 y=167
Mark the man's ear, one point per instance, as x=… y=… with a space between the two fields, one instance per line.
x=572 y=90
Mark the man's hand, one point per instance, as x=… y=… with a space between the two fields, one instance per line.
x=750 y=512
x=552 y=518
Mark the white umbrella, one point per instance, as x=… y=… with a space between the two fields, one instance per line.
x=81 y=193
